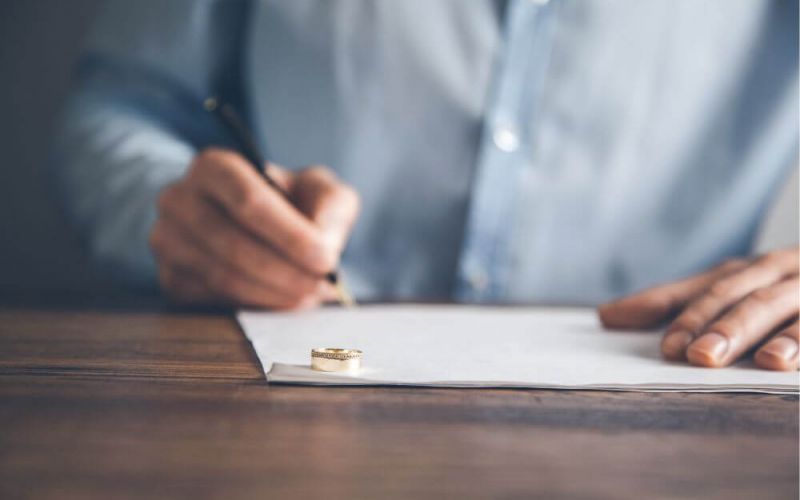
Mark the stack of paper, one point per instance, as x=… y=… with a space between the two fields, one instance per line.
x=467 y=346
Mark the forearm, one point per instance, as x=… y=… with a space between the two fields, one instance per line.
x=135 y=120
x=110 y=165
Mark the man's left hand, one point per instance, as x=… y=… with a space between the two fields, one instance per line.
x=723 y=314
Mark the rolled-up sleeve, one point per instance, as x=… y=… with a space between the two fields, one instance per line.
x=135 y=119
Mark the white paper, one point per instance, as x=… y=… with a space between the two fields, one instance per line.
x=470 y=346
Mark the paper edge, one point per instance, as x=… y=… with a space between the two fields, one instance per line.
x=348 y=381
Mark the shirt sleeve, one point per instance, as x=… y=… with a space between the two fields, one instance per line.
x=780 y=227
x=135 y=119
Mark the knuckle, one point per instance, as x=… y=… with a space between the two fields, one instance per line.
x=203 y=161
x=691 y=319
x=245 y=199
x=217 y=162
x=763 y=296
x=732 y=264
x=209 y=156
x=746 y=311
x=243 y=196
x=722 y=290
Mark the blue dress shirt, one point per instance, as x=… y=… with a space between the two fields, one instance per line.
x=519 y=151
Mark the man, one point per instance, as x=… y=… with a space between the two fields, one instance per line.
x=484 y=151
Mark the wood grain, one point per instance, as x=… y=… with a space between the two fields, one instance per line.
x=99 y=402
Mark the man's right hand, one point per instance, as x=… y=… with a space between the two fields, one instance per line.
x=224 y=236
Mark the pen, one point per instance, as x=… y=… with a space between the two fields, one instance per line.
x=231 y=119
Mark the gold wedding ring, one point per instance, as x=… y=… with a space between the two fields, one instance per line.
x=331 y=359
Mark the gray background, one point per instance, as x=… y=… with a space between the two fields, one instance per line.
x=39 y=41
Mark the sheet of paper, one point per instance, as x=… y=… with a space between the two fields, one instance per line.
x=470 y=346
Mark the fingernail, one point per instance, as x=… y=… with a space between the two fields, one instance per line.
x=708 y=349
x=674 y=344
x=783 y=347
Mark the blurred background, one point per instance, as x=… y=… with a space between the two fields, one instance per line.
x=39 y=43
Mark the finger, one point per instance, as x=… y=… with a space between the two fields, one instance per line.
x=187 y=287
x=782 y=352
x=655 y=305
x=184 y=287
x=748 y=323
x=282 y=177
x=174 y=248
x=332 y=205
x=723 y=294
x=228 y=179
x=239 y=249
x=785 y=260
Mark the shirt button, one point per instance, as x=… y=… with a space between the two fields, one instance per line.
x=506 y=138
x=478 y=280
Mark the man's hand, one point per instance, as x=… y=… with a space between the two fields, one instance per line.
x=224 y=236
x=724 y=313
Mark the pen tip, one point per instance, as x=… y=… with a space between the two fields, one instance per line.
x=210 y=104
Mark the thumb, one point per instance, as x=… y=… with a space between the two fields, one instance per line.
x=331 y=204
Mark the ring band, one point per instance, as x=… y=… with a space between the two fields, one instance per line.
x=329 y=359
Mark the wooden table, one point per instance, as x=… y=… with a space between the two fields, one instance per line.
x=141 y=401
